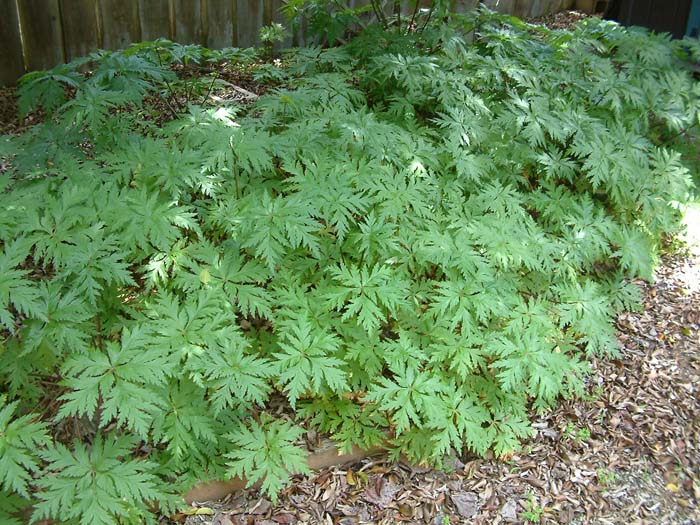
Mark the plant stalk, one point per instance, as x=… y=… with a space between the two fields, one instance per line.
x=379 y=13
x=427 y=20
x=416 y=8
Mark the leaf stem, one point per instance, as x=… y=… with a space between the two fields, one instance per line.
x=234 y=169
x=681 y=132
x=397 y=12
x=98 y=332
x=170 y=88
x=430 y=14
x=211 y=86
x=416 y=8
x=379 y=12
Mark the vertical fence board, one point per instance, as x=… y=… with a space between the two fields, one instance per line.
x=279 y=18
x=220 y=15
x=250 y=20
x=120 y=26
x=267 y=12
x=638 y=11
x=502 y=6
x=671 y=18
x=11 y=58
x=464 y=6
x=80 y=28
x=298 y=33
x=277 y=15
x=154 y=16
x=188 y=21
x=41 y=31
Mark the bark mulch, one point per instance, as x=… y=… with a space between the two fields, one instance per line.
x=627 y=454
x=9 y=119
x=562 y=20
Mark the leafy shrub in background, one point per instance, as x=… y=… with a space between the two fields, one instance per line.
x=418 y=236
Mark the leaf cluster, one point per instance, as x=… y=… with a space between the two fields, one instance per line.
x=416 y=237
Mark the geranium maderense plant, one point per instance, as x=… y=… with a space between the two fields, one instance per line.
x=418 y=237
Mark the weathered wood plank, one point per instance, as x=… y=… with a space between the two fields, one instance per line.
x=267 y=12
x=220 y=23
x=250 y=20
x=119 y=23
x=326 y=455
x=188 y=22
x=279 y=18
x=80 y=27
x=298 y=33
x=670 y=18
x=154 y=18
x=502 y=6
x=11 y=59
x=41 y=31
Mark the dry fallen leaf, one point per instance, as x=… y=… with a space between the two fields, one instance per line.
x=466 y=503
x=222 y=519
x=509 y=510
x=405 y=510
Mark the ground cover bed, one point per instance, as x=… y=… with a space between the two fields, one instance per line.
x=420 y=240
x=626 y=453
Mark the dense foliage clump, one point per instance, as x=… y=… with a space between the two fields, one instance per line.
x=418 y=236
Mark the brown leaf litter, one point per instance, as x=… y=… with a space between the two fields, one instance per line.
x=567 y=20
x=628 y=454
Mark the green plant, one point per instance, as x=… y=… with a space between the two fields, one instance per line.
x=533 y=512
x=606 y=478
x=576 y=434
x=688 y=145
x=96 y=485
x=331 y=21
x=593 y=394
x=411 y=241
x=328 y=20
x=272 y=34
x=267 y=453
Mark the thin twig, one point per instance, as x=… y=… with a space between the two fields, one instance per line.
x=211 y=86
x=98 y=333
x=416 y=8
x=234 y=168
x=167 y=103
x=681 y=132
x=379 y=13
x=430 y=14
x=397 y=12
x=170 y=88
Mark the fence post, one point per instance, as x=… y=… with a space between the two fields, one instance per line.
x=120 y=23
x=80 y=27
x=41 y=33
x=11 y=58
x=154 y=17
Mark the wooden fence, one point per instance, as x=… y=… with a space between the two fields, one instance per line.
x=671 y=16
x=38 y=34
